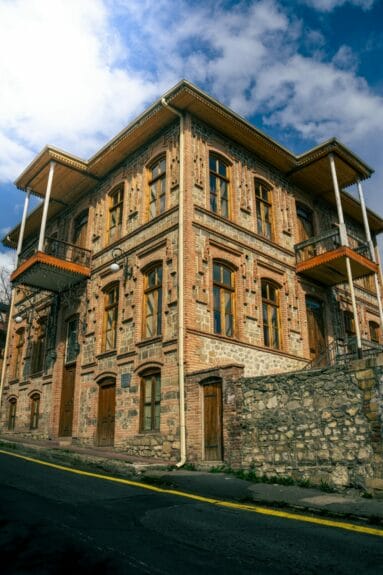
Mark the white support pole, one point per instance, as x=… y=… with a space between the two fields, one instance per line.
x=40 y=247
x=22 y=226
x=342 y=226
x=354 y=308
x=372 y=251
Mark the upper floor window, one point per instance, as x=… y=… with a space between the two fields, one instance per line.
x=374 y=330
x=157 y=187
x=72 y=346
x=263 y=209
x=223 y=299
x=270 y=314
x=109 y=335
x=12 y=413
x=150 y=401
x=153 y=302
x=20 y=340
x=116 y=201
x=349 y=323
x=219 y=185
x=80 y=229
x=38 y=347
x=35 y=411
x=305 y=219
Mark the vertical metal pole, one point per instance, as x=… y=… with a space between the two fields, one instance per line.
x=344 y=242
x=40 y=247
x=372 y=251
x=22 y=226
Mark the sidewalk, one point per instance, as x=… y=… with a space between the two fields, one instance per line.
x=349 y=504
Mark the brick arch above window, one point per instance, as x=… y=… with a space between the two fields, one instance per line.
x=104 y=376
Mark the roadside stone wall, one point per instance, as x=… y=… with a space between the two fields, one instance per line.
x=323 y=425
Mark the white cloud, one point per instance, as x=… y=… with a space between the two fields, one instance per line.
x=8 y=261
x=329 y=5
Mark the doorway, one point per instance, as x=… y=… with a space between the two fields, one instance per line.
x=316 y=329
x=67 y=400
x=106 y=413
x=212 y=408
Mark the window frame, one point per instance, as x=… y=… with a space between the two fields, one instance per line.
x=12 y=413
x=71 y=359
x=263 y=206
x=153 y=377
x=272 y=332
x=157 y=290
x=155 y=180
x=116 y=206
x=215 y=198
x=374 y=331
x=38 y=348
x=35 y=411
x=222 y=289
x=19 y=348
x=110 y=310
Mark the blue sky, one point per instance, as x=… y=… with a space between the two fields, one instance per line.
x=75 y=72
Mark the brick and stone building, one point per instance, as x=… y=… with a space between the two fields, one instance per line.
x=190 y=251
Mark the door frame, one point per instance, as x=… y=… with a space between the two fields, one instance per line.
x=220 y=437
x=105 y=382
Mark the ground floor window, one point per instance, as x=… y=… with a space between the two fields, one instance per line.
x=35 y=411
x=150 y=401
x=12 y=414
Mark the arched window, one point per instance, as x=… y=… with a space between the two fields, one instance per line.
x=263 y=208
x=109 y=336
x=150 y=401
x=157 y=187
x=35 y=411
x=219 y=185
x=116 y=201
x=12 y=413
x=374 y=329
x=153 y=301
x=270 y=314
x=223 y=299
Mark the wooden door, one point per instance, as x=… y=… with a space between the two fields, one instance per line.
x=106 y=413
x=212 y=396
x=316 y=331
x=66 y=406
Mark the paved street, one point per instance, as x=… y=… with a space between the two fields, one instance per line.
x=56 y=522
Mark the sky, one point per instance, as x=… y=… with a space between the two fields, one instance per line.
x=75 y=72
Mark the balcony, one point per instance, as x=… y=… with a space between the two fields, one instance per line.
x=60 y=266
x=324 y=258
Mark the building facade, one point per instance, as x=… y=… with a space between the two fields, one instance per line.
x=191 y=241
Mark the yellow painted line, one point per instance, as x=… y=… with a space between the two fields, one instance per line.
x=201 y=498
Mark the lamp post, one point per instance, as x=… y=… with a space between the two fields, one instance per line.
x=118 y=254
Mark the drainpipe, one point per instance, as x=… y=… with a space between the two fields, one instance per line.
x=181 y=299
x=40 y=247
x=22 y=226
x=344 y=242
x=372 y=250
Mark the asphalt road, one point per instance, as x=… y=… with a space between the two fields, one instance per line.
x=52 y=521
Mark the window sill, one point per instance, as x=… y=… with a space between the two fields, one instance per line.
x=149 y=341
x=108 y=353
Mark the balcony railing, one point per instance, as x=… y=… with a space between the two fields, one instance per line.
x=60 y=250
x=342 y=351
x=329 y=242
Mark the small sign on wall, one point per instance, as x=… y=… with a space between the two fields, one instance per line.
x=125 y=379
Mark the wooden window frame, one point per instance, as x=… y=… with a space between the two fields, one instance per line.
x=35 y=411
x=110 y=312
x=374 y=331
x=69 y=359
x=153 y=404
x=153 y=292
x=12 y=413
x=80 y=221
x=157 y=183
x=272 y=333
x=221 y=182
x=116 y=208
x=263 y=206
x=220 y=290
x=38 y=348
x=19 y=348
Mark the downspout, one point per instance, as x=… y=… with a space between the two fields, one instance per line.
x=181 y=299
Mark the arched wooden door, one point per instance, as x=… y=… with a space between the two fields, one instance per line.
x=106 y=413
x=212 y=406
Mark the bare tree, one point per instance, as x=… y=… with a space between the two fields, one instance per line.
x=7 y=265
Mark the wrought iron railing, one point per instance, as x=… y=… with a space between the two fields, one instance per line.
x=328 y=242
x=340 y=352
x=60 y=250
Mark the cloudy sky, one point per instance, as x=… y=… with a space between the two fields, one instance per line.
x=75 y=72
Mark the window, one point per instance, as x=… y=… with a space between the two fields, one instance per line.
x=38 y=348
x=71 y=347
x=80 y=229
x=374 y=330
x=35 y=411
x=12 y=413
x=349 y=323
x=219 y=185
x=109 y=339
x=20 y=335
x=116 y=200
x=150 y=402
x=157 y=188
x=223 y=296
x=270 y=314
x=263 y=209
x=153 y=302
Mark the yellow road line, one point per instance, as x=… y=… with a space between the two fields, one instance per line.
x=218 y=502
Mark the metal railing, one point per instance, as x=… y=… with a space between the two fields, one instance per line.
x=60 y=250
x=342 y=351
x=328 y=242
